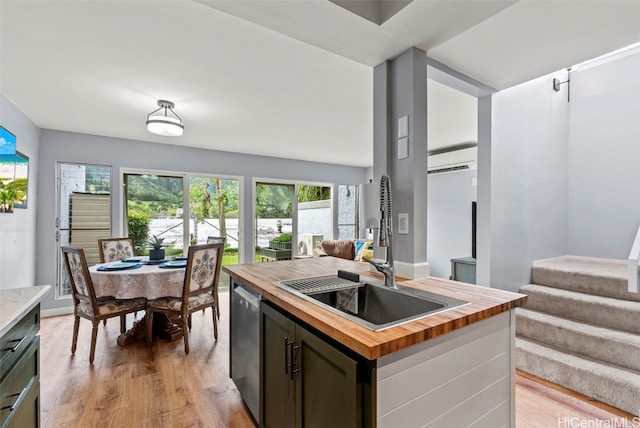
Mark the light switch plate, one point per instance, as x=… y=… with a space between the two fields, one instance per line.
x=403 y=126
x=403 y=224
x=403 y=148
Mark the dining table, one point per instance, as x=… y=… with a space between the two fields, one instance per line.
x=136 y=278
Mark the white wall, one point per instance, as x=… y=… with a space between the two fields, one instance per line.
x=604 y=158
x=449 y=198
x=18 y=230
x=452 y=116
x=529 y=179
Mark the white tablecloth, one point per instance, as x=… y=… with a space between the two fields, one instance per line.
x=149 y=281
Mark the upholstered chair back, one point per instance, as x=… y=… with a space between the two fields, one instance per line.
x=203 y=268
x=114 y=249
x=78 y=275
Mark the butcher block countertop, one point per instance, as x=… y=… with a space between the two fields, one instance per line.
x=484 y=303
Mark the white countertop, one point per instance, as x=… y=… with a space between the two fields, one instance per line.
x=17 y=302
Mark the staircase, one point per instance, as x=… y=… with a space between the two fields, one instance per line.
x=580 y=329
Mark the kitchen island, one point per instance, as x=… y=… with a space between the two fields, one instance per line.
x=453 y=368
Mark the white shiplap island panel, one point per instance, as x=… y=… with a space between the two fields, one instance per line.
x=462 y=379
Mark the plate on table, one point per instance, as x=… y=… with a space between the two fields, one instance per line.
x=173 y=264
x=179 y=258
x=119 y=266
x=132 y=260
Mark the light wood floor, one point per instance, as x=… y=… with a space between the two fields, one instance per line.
x=162 y=387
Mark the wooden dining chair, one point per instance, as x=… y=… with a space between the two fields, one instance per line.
x=216 y=240
x=199 y=291
x=85 y=303
x=115 y=249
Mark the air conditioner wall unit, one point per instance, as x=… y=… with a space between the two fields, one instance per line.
x=307 y=242
x=454 y=160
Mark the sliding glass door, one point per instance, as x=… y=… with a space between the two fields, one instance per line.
x=291 y=220
x=274 y=207
x=315 y=215
x=184 y=210
x=213 y=211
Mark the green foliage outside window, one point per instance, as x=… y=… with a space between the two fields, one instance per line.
x=138 y=226
x=313 y=193
x=274 y=200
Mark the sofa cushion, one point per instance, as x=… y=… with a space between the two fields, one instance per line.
x=342 y=248
x=363 y=248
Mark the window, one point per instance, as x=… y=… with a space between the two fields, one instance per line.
x=154 y=207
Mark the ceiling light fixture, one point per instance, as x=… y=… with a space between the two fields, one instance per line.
x=164 y=121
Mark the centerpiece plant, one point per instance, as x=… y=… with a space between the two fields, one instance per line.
x=157 y=251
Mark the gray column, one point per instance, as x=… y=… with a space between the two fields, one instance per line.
x=400 y=90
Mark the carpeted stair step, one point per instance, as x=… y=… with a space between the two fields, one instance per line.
x=602 y=277
x=610 y=346
x=603 y=311
x=615 y=386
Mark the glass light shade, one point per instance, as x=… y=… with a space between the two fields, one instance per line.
x=165 y=125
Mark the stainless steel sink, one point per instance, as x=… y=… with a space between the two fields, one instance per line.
x=372 y=304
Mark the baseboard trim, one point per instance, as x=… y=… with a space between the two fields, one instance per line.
x=45 y=313
x=412 y=270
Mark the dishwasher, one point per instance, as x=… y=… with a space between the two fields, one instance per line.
x=245 y=344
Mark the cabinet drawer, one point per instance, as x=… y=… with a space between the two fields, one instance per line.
x=17 y=385
x=28 y=414
x=13 y=344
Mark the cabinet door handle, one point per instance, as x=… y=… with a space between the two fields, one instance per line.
x=15 y=403
x=292 y=357
x=286 y=355
x=17 y=345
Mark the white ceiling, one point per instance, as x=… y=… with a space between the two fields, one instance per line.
x=286 y=78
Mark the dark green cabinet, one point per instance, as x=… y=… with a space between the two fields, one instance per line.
x=305 y=381
x=20 y=373
x=278 y=392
